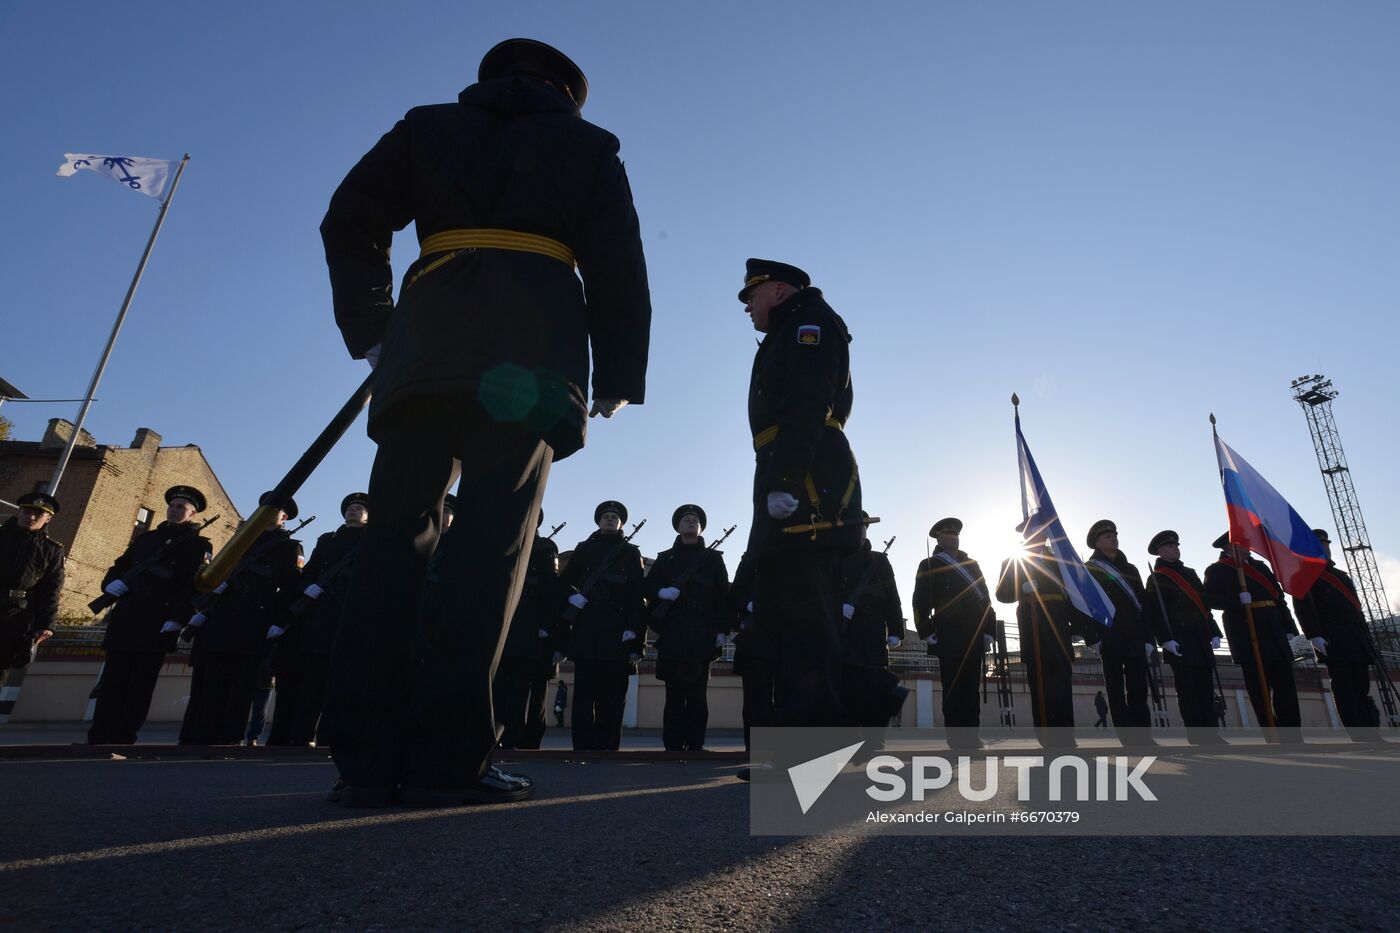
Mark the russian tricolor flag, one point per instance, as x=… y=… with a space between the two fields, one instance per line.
x=1263 y=521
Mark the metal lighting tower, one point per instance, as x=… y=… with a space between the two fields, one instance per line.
x=1315 y=394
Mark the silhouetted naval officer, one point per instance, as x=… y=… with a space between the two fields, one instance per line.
x=31 y=577
x=527 y=656
x=1333 y=621
x=1185 y=627
x=1047 y=624
x=806 y=492
x=872 y=619
x=1124 y=646
x=482 y=370
x=953 y=613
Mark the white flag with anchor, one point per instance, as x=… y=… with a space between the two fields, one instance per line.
x=148 y=176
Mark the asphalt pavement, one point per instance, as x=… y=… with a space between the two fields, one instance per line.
x=609 y=845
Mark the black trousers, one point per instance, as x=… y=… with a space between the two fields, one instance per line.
x=408 y=699
x=759 y=677
x=600 y=698
x=961 y=674
x=301 y=692
x=518 y=693
x=866 y=695
x=1125 y=684
x=1282 y=689
x=124 y=696
x=687 y=712
x=221 y=695
x=1049 y=672
x=1195 y=696
x=796 y=600
x=1351 y=689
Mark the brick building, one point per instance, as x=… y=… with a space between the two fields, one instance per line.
x=108 y=495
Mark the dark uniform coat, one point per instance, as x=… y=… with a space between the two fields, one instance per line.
x=508 y=329
x=1273 y=622
x=538 y=609
x=1129 y=634
x=879 y=613
x=615 y=603
x=31 y=577
x=162 y=594
x=799 y=400
x=1188 y=619
x=1048 y=621
x=1332 y=610
x=751 y=642
x=688 y=631
x=313 y=631
x=256 y=598
x=952 y=602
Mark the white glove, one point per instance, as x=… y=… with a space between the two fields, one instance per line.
x=1097 y=645
x=578 y=600
x=1246 y=599
x=1319 y=644
x=372 y=354
x=721 y=640
x=169 y=627
x=1215 y=643
x=932 y=640
x=893 y=640
x=629 y=635
x=1173 y=646
x=607 y=407
x=221 y=587
x=749 y=607
x=314 y=591
x=116 y=588
x=987 y=642
x=781 y=505
x=1150 y=648
x=1027 y=588
x=847 y=610
x=276 y=631
x=198 y=619
x=543 y=633
x=669 y=593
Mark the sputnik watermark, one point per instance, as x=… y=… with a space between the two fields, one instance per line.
x=1115 y=777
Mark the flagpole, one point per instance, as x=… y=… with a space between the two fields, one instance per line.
x=116 y=329
x=1043 y=714
x=1249 y=612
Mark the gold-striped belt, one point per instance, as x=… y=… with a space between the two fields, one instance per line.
x=1264 y=604
x=768 y=435
x=452 y=242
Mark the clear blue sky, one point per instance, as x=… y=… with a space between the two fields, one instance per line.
x=1131 y=214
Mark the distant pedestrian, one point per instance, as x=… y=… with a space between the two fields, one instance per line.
x=1220 y=710
x=1101 y=707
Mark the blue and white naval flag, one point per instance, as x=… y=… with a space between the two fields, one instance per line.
x=1040 y=527
x=148 y=176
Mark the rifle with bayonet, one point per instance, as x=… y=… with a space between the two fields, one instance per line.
x=571 y=611
x=205 y=602
x=663 y=606
x=866 y=576
x=554 y=531
x=151 y=564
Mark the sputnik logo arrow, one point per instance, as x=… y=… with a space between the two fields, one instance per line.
x=811 y=778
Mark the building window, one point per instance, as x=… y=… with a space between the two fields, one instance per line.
x=143 y=522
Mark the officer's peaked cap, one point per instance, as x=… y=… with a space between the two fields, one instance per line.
x=532 y=57
x=1100 y=527
x=688 y=509
x=1161 y=538
x=946 y=526
x=758 y=271
x=289 y=505
x=38 y=500
x=361 y=497
x=191 y=495
x=1221 y=542
x=610 y=505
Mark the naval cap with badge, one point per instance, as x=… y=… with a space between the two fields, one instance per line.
x=40 y=501
x=946 y=526
x=1161 y=539
x=688 y=509
x=758 y=271
x=613 y=506
x=361 y=498
x=289 y=506
x=1101 y=527
x=191 y=495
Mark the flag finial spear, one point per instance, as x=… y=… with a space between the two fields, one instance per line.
x=1015 y=400
x=1212 y=417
